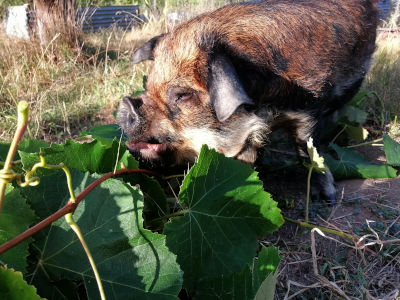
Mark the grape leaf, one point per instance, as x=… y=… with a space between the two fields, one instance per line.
x=358 y=134
x=14 y=287
x=352 y=115
x=353 y=165
x=105 y=133
x=155 y=200
x=32 y=146
x=132 y=262
x=359 y=98
x=259 y=279
x=265 y=273
x=227 y=209
x=15 y=218
x=93 y=157
x=29 y=146
x=392 y=151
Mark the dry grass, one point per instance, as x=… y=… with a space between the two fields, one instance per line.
x=68 y=90
x=72 y=90
x=333 y=267
x=384 y=76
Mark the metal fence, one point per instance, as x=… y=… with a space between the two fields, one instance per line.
x=92 y=19
x=95 y=18
x=386 y=7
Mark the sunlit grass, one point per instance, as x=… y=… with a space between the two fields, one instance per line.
x=71 y=90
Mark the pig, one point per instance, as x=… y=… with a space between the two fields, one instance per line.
x=230 y=77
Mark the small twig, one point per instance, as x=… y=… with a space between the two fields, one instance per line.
x=173 y=176
x=322 y=278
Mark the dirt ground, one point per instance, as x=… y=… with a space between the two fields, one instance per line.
x=369 y=210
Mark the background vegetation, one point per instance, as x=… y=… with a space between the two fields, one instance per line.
x=71 y=90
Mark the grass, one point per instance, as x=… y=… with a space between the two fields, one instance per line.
x=72 y=90
x=68 y=90
x=384 y=76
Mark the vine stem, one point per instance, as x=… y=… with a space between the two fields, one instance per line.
x=69 y=219
x=366 y=143
x=308 y=191
x=68 y=208
x=352 y=238
x=6 y=174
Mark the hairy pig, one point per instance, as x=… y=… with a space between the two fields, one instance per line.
x=230 y=77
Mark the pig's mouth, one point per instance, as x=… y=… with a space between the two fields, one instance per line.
x=148 y=150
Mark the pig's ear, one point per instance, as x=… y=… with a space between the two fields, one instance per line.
x=145 y=52
x=226 y=90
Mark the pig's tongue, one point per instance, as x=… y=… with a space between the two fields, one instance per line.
x=146 y=146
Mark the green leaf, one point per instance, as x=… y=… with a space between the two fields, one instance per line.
x=32 y=146
x=3 y=151
x=392 y=150
x=133 y=263
x=94 y=157
x=259 y=279
x=29 y=146
x=352 y=115
x=155 y=200
x=227 y=209
x=265 y=273
x=358 y=134
x=15 y=218
x=105 y=133
x=14 y=287
x=353 y=165
x=359 y=99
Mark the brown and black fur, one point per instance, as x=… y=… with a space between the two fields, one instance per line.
x=229 y=77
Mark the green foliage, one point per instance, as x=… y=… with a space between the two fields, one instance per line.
x=227 y=209
x=392 y=151
x=104 y=133
x=258 y=280
x=213 y=239
x=14 y=287
x=353 y=115
x=95 y=157
x=29 y=146
x=351 y=164
x=133 y=262
x=15 y=218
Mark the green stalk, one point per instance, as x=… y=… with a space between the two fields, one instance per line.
x=366 y=143
x=350 y=237
x=76 y=229
x=310 y=169
x=6 y=174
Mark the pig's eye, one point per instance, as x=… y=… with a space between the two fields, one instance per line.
x=183 y=96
